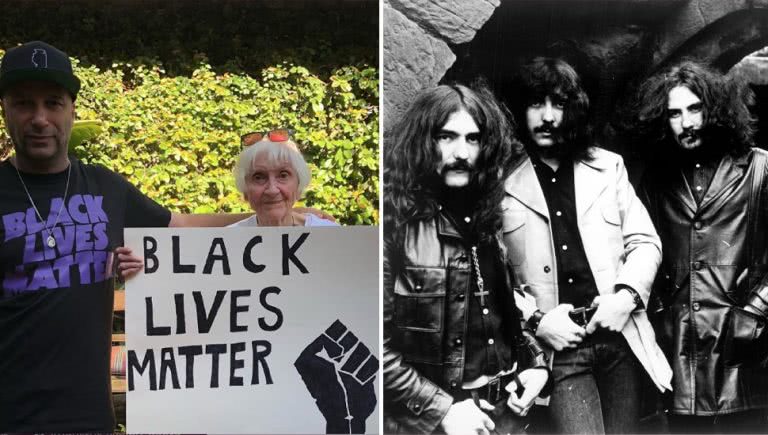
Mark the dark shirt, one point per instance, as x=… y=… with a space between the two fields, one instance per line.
x=56 y=302
x=574 y=277
x=699 y=170
x=489 y=346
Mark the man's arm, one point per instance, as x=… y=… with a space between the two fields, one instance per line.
x=555 y=328
x=757 y=302
x=423 y=404
x=642 y=256
x=642 y=247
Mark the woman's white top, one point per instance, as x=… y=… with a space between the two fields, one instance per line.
x=309 y=221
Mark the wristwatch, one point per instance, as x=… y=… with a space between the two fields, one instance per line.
x=533 y=322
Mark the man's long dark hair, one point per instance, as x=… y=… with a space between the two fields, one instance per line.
x=548 y=76
x=727 y=124
x=412 y=184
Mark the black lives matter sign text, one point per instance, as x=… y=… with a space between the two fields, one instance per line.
x=196 y=311
x=221 y=328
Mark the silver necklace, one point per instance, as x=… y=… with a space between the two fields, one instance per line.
x=482 y=292
x=50 y=241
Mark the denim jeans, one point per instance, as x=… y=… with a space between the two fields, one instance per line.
x=597 y=387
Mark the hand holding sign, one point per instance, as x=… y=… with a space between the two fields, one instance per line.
x=221 y=316
x=128 y=264
x=338 y=371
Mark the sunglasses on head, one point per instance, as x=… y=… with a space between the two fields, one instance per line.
x=277 y=135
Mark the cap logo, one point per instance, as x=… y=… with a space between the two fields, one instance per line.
x=40 y=58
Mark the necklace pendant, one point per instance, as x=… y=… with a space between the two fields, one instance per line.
x=51 y=241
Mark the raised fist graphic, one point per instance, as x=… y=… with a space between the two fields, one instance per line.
x=339 y=371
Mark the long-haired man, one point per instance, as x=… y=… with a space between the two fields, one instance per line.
x=452 y=360
x=703 y=187
x=582 y=243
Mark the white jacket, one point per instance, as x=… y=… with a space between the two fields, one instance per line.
x=620 y=242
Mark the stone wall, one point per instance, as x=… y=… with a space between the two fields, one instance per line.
x=418 y=35
x=612 y=43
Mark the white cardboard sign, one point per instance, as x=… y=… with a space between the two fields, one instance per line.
x=253 y=330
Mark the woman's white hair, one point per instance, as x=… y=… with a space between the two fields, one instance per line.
x=276 y=153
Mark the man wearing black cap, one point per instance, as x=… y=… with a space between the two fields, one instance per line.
x=60 y=221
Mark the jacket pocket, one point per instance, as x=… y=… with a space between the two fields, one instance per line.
x=419 y=312
x=420 y=299
x=514 y=236
x=605 y=241
x=746 y=339
x=611 y=215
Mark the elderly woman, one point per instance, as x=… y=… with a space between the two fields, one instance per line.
x=272 y=174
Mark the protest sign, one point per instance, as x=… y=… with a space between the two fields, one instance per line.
x=253 y=330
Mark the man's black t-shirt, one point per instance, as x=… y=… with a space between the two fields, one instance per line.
x=56 y=303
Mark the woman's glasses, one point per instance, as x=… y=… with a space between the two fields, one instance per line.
x=277 y=135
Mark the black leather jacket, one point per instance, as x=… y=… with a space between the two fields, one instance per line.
x=706 y=273
x=421 y=365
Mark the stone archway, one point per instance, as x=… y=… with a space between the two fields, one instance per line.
x=725 y=41
x=612 y=43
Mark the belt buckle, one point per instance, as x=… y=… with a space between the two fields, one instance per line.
x=579 y=316
x=588 y=313
x=494 y=384
x=583 y=315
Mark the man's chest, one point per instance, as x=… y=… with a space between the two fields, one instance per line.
x=48 y=241
x=714 y=230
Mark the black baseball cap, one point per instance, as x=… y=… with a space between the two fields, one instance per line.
x=37 y=60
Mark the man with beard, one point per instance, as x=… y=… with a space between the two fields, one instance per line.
x=704 y=186
x=455 y=359
x=582 y=243
x=60 y=221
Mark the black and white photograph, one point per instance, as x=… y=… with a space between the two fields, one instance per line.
x=574 y=216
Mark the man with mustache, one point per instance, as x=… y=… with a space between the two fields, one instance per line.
x=582 y=243
x=455 y=358
x=704 y=186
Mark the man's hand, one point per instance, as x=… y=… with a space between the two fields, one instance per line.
x=533 y=381
x=613 y=311
x=558 y=330
x=319 y=213
x=466 y=418
x=128 y=265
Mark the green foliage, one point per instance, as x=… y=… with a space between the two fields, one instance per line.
x=84 y=130
x=178 y=35
x=175 y=134
x=177 y=138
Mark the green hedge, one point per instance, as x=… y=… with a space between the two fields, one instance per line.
x=174 y=111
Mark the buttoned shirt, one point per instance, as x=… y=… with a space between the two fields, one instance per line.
x=489 y=349
x=699 y=169
x=574 y=277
